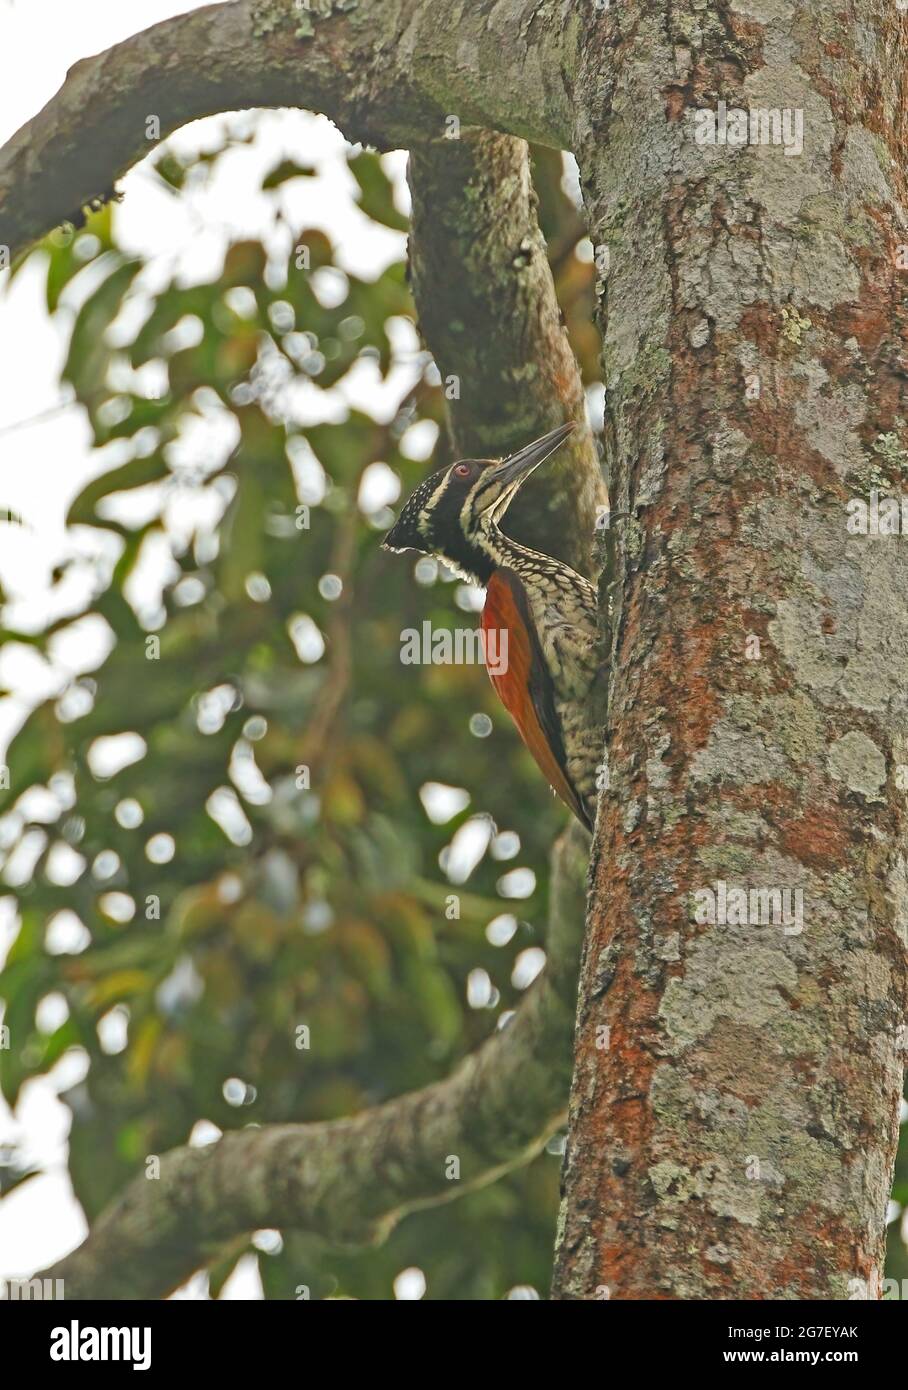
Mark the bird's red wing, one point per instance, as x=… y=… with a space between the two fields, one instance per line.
x=525 y=686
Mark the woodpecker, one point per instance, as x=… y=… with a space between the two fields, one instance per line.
x=551 y=681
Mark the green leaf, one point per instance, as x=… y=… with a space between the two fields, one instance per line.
x=376 y=191
x=244 y=264
x=221 y=1270
x=436 y=999
x=245 y=535
x=287 y=169
x=86 y=361
x=12 y=1178
x=135 y=473
x=63 y=263
x=67 y=1035
x=170 y=170
x=171 y=305
x=32 y=755
x=143 y=411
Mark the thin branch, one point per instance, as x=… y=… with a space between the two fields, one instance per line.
x=39 y=419
x=351 y=1180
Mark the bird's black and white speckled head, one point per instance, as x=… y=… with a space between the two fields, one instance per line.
x=455 y=512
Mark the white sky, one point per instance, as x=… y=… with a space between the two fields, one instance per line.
x=44 y=464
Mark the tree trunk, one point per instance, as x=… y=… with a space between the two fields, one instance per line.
x=736 y=1089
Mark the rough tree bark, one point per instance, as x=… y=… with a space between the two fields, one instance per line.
x=733 y=1112
x=733 y=1134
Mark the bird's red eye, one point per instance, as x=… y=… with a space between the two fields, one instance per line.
x=462 y=470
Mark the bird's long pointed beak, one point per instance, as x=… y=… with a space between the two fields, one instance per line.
x=512 y=471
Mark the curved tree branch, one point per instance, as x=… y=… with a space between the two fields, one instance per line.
x=386 y=71
x=352 y=1180
x=490 y=315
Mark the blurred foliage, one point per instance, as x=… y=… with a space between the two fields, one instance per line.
x=266 y=863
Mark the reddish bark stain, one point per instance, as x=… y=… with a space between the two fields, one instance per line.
x=821 y=837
